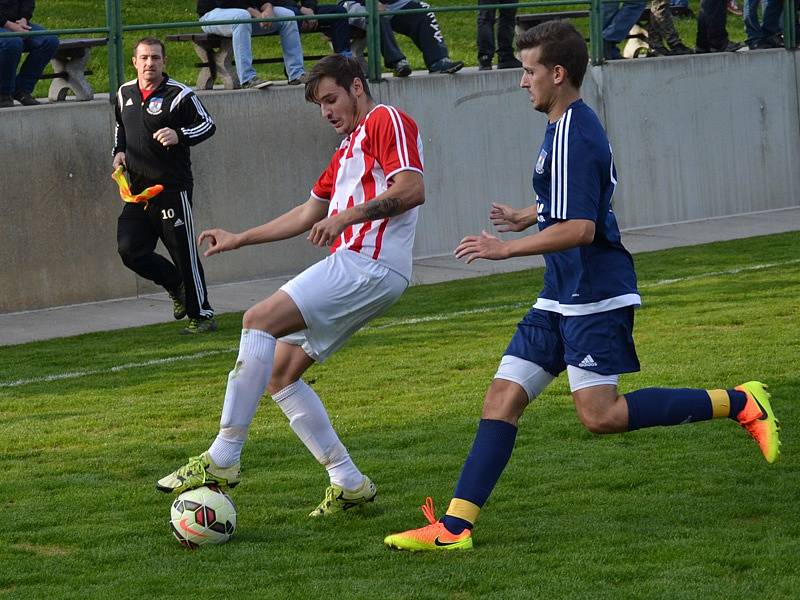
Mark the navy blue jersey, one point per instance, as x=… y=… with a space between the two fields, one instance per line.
x=574 y=178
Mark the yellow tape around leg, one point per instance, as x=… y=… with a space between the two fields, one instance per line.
x=720 y=403
x=464 y=509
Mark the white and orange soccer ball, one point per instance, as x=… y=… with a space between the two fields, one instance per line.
x=205 y=515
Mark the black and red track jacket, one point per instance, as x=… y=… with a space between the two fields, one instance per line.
x=172 y=105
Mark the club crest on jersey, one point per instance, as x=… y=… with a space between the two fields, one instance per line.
x=154 y=107
x=540 y=161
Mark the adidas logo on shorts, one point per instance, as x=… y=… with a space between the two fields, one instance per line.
x=588 y=362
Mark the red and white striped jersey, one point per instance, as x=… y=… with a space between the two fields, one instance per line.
x=386 y=142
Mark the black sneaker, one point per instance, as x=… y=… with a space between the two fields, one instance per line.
x=178 y=297
x=733 y=47
x=401 y=68
x=26 y=99
x=446 y=65
x=256 y=83
x=512 y=63
x=680 y=50
x=485 y=63
x=298 y=80
x=6 y=101
x=200 y=326
x=611 y=50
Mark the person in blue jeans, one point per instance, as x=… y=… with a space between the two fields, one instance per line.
x=218 y=10
x=618 y=18
x=16 y=15
x=765 y=34
x=338 y=30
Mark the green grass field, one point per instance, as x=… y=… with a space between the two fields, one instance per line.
x=458 y=27
x=90 y=422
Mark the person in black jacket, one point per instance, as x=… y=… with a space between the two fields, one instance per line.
x=16 y=15
x=158 y=120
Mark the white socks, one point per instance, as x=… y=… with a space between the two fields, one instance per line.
x=309 y=420
x=246 y=385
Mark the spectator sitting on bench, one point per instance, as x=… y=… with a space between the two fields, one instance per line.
x=219 y=10
x=338 y=30
x=618 y=18
x=393 y=57
x=426 y=34
x=15 y=15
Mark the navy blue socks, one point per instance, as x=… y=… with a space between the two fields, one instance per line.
x=490 y=452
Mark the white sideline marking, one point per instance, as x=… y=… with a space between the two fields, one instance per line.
x=397 y=323
x=115 y=369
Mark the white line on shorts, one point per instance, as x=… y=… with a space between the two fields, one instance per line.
x=392 y=323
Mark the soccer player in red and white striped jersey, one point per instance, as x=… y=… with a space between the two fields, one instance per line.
x=364 y=206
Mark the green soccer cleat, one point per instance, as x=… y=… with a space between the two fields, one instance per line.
x=199 y=471
x=200 y=326
x=338 y=499
x=758 y=418
x=178 y=297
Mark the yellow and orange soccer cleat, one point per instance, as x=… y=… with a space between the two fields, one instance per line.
x=431 y=537
x=125 y=191
x=759 y=420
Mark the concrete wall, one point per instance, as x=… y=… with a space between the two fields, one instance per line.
x=694 y=137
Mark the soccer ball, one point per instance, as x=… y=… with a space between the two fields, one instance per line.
x=205 y=515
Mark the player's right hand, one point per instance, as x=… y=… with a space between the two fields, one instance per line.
x=219 y=240
x=505 y=218
x=119 y=159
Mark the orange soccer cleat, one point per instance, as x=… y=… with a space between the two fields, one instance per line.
x=759 y=420
x=431 y=537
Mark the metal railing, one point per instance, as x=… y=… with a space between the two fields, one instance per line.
x=115 y=28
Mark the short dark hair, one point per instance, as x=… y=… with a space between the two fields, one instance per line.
x=342 y=69
x=150 y=41
x=561 y=44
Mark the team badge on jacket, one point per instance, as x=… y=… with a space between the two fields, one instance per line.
x=540 y=161
x=154 y=107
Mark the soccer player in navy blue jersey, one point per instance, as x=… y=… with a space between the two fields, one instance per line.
x=582 y=321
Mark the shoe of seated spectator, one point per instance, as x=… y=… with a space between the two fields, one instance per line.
x=446 y=65
x=484 y=63
x=679 y=50
x=6 y=101
x=611 y=50
x=298 y=80
x=511 y=63
x=26 y=99
x=774 y=41
x=733 y=8
x=256 y=83
x=733 y=47
x=401 y=68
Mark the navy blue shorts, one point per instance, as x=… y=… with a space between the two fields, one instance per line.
x=601 y=343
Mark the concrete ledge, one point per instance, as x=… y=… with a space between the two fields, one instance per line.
x=21 y=327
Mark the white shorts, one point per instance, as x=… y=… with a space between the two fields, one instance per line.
x=337 y=296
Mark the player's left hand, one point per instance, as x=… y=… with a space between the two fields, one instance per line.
x=481 y=246
x=325 y=232
x=166 y=136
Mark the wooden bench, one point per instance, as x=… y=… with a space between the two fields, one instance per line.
x=69 y=69
x=217 y=61
x=528 y=20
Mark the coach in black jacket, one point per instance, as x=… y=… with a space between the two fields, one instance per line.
x=158 y=119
